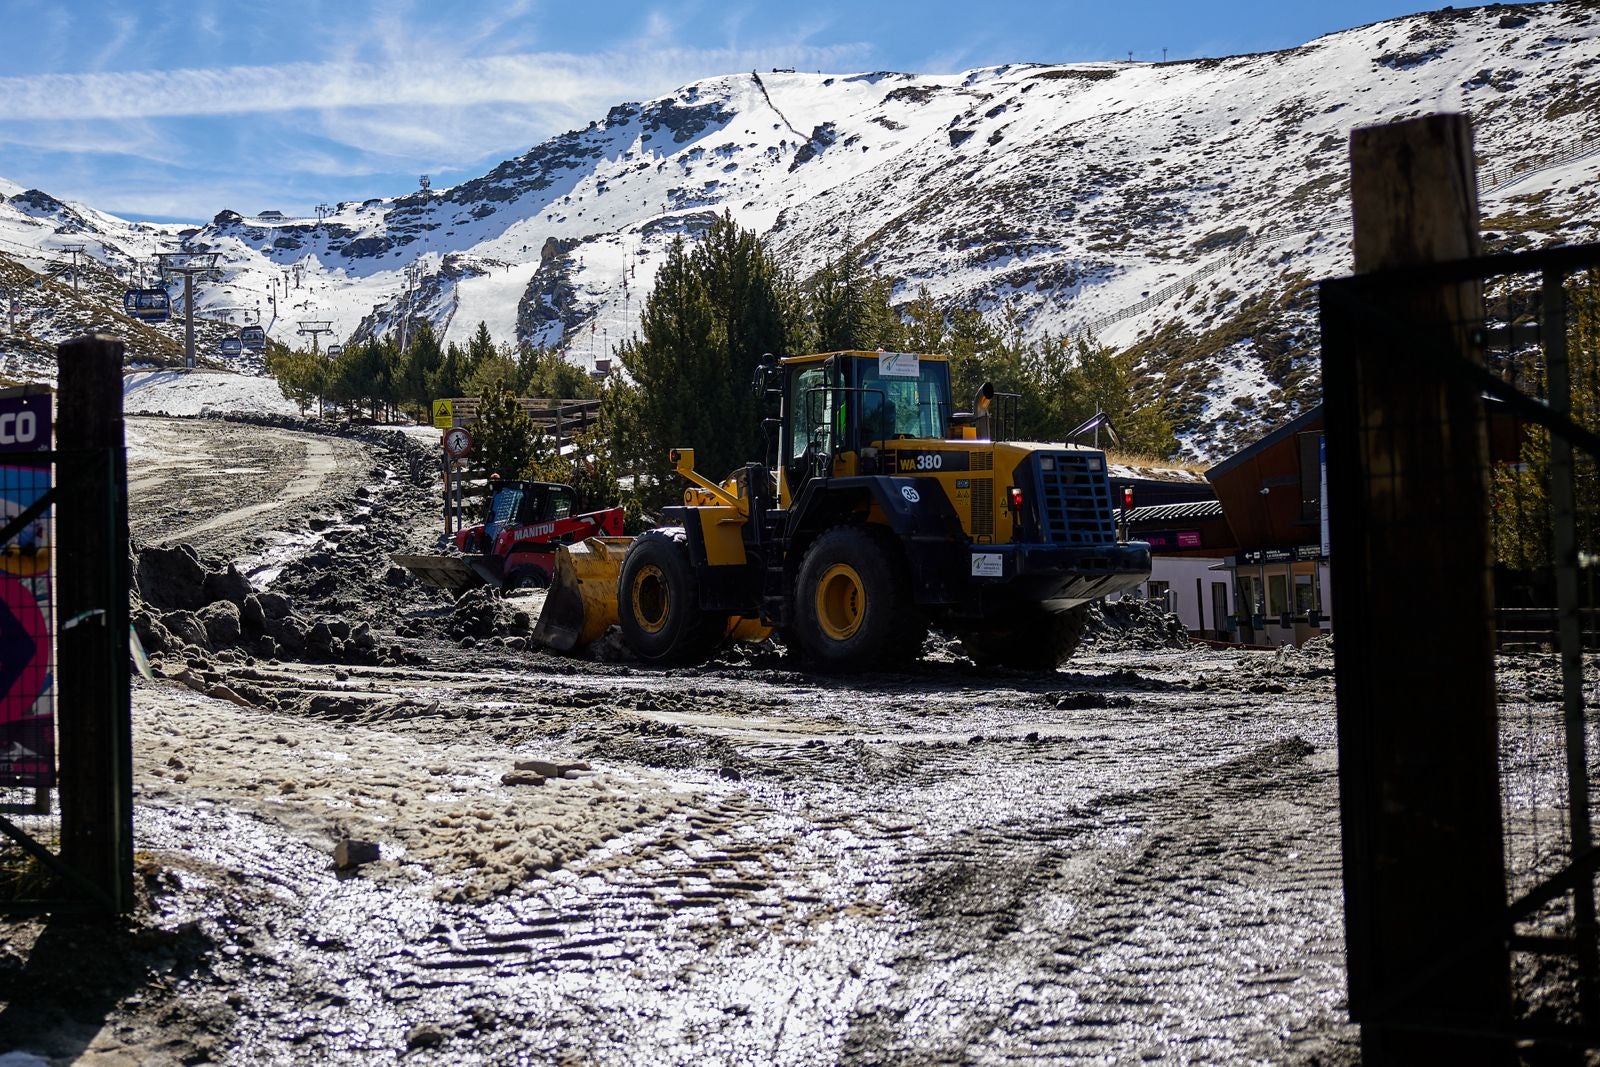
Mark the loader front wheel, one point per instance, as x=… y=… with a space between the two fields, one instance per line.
x=848 y=601
x=657 y=607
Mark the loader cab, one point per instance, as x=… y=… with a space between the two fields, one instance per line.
x=840 y=408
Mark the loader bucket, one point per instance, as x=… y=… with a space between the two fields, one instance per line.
x=451 y=573
x=582 y=601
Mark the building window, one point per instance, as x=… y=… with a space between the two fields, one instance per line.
x=1305 y=595
x=1161 y=593
x=1277 y=594
x=1311 y=476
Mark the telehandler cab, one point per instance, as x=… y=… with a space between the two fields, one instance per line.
x=885 y=511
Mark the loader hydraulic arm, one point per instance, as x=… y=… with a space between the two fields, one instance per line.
x=711 y=492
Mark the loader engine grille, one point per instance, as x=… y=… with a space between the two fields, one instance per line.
x=1074 y=496
x=983 y=507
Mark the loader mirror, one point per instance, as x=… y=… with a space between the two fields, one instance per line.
x=761 y=384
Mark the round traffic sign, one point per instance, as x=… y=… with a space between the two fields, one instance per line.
x=457 y=442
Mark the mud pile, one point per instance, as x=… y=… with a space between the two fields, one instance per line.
x=186 y=606
x=477 y=616
x=1129 y=624
x=1284 y=669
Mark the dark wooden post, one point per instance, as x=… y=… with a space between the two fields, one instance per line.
x=94 y=713
x=1407 y=467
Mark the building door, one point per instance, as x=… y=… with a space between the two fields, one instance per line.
x=1249 y=607
x=1219 y=610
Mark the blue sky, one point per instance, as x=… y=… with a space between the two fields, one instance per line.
x=180 y=108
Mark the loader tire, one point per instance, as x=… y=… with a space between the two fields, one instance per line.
x=657 y=606
x=1030 y=639
x=852 y=607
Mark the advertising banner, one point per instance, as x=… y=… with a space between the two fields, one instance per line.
x=27 y=692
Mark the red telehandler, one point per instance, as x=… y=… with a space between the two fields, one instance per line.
x=516 y=547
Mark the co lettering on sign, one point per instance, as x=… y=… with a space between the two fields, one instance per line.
x=18 y=428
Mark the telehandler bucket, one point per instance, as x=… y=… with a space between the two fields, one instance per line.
x=451 y=573
x=582 y=601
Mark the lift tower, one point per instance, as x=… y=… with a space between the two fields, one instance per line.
x=315 y=328
x=188 y=264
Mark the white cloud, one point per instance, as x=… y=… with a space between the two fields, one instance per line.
x=136 y=139
x=551 y=78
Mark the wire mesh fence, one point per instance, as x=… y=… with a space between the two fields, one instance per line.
x=1523 y=348
x=1542 y=338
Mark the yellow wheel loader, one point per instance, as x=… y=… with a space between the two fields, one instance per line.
x=885 y=511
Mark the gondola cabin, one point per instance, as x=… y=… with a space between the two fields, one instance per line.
x=230 y=346
x=253 y=337
x=147 y=305
x=335 y=351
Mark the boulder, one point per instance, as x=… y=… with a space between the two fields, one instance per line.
x=171 y=579
x=227 y=585
x=221 y=620
x=186 y=629
x=351 y=853
x=152 y=634
x=320 y=635
x=274 y=605
x=289 y=633
x=251 y=615
x=550 y=768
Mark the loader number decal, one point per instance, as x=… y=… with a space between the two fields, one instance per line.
x=929 y=462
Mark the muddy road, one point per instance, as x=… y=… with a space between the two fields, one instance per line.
x=1135 y=858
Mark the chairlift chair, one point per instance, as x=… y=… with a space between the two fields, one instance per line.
x=147 y=305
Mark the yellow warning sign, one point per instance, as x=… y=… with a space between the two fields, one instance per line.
x=443 y=415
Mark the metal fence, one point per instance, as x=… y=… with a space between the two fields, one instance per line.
x=66 y=827
x=1516 y=418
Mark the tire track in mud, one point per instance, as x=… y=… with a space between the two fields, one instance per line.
x=1092 y=923
x=950 y=868
x=1114 y=933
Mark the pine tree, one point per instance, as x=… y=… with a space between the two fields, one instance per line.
x=714 y=311
x=504 y=438
x=450 y=377
x=301 y=376
x=543 y=373
x=851 y=308
x=479 y=349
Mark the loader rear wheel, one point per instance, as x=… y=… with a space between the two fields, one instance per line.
x=1031 y=639
x=849 y=601
x=657 y=607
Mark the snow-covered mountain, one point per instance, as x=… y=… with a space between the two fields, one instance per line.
x=1205 y=193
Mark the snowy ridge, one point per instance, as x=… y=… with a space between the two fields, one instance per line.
x=1142 y=202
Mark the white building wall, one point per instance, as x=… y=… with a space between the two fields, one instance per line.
x=1192 y=604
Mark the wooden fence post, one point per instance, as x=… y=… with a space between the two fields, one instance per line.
x=1408 y=472
x=94 y=710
